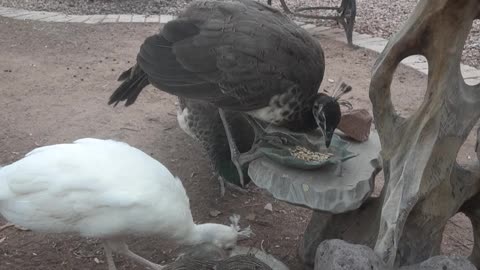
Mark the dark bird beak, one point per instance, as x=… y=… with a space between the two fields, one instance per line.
x=328 y=139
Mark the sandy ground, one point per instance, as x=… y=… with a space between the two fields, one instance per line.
x=61 y=76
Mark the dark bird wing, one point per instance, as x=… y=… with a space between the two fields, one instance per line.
x=235 y=54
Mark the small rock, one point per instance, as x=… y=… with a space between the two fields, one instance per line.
x=356 y=124
x=268 y=207
x=96 y=260
x=331 y=80
x=3 y=239
x=339 y=255
x=442 y=262
x=250 y=217
x=215 y=213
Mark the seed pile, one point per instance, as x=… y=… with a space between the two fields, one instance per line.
x=307 y=155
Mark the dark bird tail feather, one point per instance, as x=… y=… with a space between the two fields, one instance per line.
x=134 y=80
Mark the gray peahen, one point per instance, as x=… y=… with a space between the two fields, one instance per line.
x=241 y=56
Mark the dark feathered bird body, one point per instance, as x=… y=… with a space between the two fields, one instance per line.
x=201 y=121
x=237 y=55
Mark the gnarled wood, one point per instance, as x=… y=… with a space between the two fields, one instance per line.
x=424 y=186
x=419 y=153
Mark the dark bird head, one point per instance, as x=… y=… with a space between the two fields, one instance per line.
x=327 y=113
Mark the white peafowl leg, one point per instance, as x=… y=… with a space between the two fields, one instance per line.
x=222 y=185
x=122 y=248
x=109 y=256
x=6 y=226
x=235 y=154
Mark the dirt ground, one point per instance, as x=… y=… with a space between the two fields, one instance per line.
x=61 y=77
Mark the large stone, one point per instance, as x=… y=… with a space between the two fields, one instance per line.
x=356 y=124
x=339 y=255
x=322 y=189
x=442 y=263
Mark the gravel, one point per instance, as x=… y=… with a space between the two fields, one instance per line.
x=379 y=18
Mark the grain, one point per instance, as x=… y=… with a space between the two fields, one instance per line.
x=307 y=155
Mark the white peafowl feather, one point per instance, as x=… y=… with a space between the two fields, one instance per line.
x=104 y=189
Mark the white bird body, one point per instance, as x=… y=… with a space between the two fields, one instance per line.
x=104 y=189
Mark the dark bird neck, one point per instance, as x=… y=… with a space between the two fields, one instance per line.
x=302 y=121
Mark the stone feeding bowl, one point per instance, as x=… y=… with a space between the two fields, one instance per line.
x=208 y=256
x=336 y=185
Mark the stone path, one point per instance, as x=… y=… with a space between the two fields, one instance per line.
x=470 y=74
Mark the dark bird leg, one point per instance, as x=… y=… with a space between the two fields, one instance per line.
x=225 y=184
x=235 y=154
x=275 y=137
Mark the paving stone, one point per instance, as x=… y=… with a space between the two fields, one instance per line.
x=376 y=46
x=422 y=67
x=166 y=18
x=62 y=18
x=79 y=18
x=125 y=18
x=333 y=33
x=153 y=19
x=16 y=13
x=4 y=10
x=472 y=81
x=319 y=29
x=59 y=16
x=357 y=37
x=299 y=23
x=414 y=59
x=308 y=26
x=111 y=18
x=469 y=72
x=368 y=40
x=95 y=19
x=138 y=18
x=37 y=15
